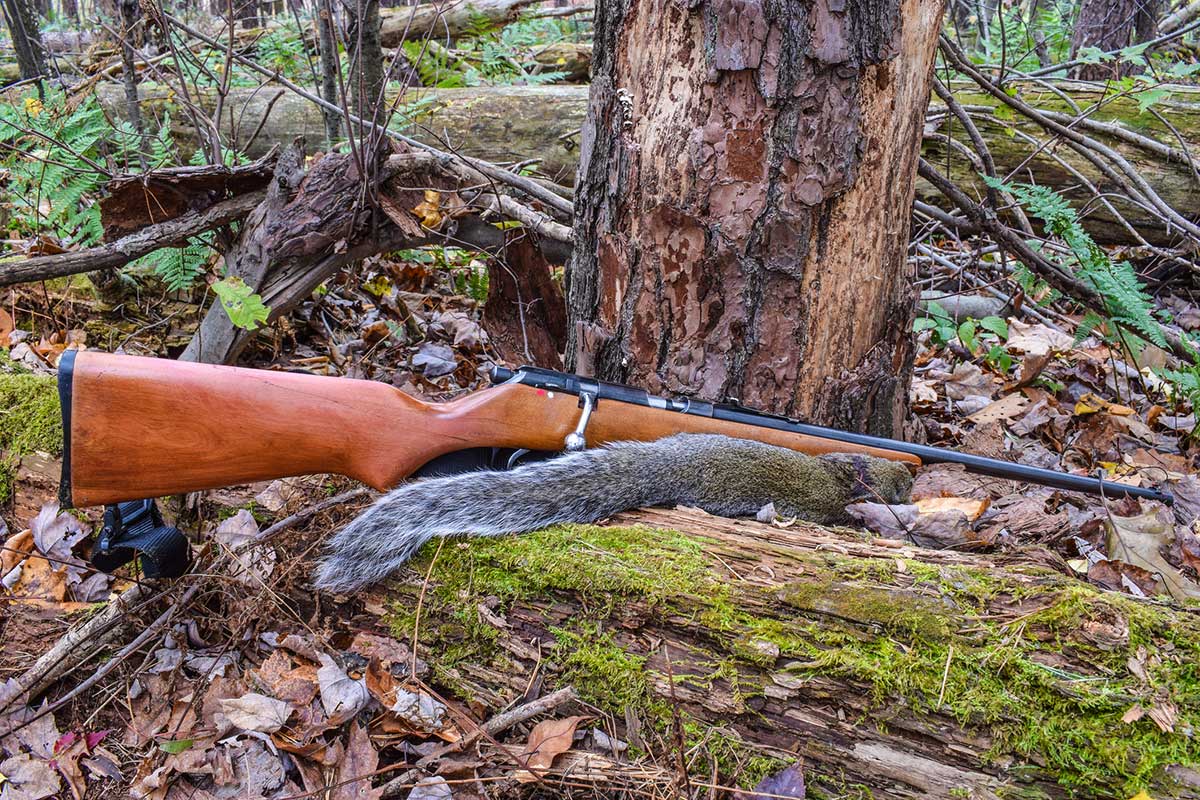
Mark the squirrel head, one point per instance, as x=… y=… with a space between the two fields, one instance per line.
x=876 y=480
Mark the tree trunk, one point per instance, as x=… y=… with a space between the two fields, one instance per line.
x=22 y=19
x=366 y=61
x=249 y=12
x=130 y=11
x=327 y=46
x=890 y=671
x=1108 y=25
x=741 y=211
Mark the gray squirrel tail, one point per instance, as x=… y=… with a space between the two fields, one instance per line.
x=580 y=487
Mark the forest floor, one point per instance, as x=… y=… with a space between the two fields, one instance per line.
x=539 y=670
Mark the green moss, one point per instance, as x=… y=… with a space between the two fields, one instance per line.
x=29 y=422
x=914 y=634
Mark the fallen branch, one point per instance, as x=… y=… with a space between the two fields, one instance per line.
x=173 y=233
x=493 y=727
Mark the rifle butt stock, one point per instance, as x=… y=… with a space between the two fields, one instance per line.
x=136 y=427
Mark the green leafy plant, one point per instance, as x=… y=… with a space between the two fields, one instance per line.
x=50 y=150
x=986 y=335
x=180 y=267
x=1127 y=305
x=245 y=308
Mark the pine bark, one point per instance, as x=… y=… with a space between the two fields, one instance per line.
x=22 y=19
x=742 y=202
x=1111 y=25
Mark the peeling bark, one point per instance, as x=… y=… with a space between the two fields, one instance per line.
x=742 y=201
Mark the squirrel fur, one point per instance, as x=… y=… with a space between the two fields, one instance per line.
x=724 y=476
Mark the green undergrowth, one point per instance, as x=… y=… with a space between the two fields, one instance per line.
x=1021 y=660
x=29 y=422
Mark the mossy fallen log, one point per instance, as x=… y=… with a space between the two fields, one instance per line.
x=29 y=423
x=499 y=124
x=541 y=122
x=892 y=671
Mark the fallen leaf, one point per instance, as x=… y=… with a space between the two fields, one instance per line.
x=256 y=563
x=7 y=326
x=433 y=788
x=1165 y=715
x=1002 y=410
x=28 y=778
x=356 y=768
x=1134 y=713
x=429 y=210
x=341 y=696
x=1136 y=541
x=787 y=783
x=1119 y=576
x=549 y=739
x=968 y=379
x=54 y=534
x=973 y=509
x=1091 y=404
x=435 y=360
x=1036 y=339
x=256 y=712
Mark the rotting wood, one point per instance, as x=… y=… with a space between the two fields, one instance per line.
x=503 y=124
x=818 y=644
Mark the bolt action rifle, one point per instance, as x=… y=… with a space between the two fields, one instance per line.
x=138 y=428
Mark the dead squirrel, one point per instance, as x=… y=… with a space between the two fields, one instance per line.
x=729 y=477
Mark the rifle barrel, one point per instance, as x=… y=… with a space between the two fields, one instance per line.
x=992 y=467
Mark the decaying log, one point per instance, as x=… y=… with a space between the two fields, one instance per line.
x=445 y=20
x=172 y=233
x=503 y=124
x=497 y=124
x=132 y=202
x=905 y=672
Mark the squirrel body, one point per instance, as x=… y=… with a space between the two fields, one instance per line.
x=722 y=475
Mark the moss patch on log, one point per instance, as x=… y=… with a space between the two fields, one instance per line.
x=29 y=422
x=1045 y=667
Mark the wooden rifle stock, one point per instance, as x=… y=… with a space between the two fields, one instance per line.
x=139 y=427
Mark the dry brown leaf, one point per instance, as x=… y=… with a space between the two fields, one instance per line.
x=7 y=326
x=354 y=773
x=256 y=712
x=1137 y=540
x=27 y=778
x=1001 y=410
x=1036 y=339
x=16 y=548
x=1091 y=404
x=548 y=739
x=1165 y=715
x=41 y=581
x=973 y=509
x=1134 y=713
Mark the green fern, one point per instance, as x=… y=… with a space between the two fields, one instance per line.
x=51 y=149
x=1127 y=304
x=179 y=267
